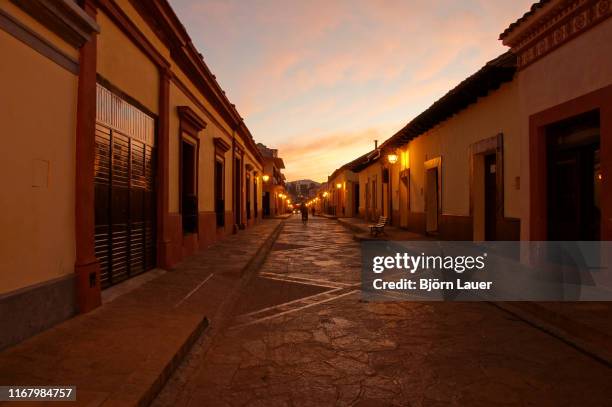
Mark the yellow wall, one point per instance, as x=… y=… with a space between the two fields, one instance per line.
x=38 y=125
x=372 y=172
x=451 y=140
x=134 y=16
x=206 y=156
x=346 y=199
x=38 y=28
x=125 y=66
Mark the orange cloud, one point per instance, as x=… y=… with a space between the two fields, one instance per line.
x=317 y=156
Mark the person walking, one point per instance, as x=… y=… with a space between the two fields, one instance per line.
x=304 y=211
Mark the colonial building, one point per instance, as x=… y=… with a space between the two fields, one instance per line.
x=564 y=80
x=123 y=154
x=434 y=168
x=275 y=198
x=519 y=150
x=343 y=186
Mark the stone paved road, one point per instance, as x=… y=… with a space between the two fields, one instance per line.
x=302 y=337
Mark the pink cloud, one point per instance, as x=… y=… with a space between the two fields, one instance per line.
x=323 y=71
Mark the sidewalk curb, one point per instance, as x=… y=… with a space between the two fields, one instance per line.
x=354 y=228
x=149 y=395
x=211 y=327
x=596 y=352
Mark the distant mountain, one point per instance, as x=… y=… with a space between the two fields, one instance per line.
x=303 y=181
x=302 y=189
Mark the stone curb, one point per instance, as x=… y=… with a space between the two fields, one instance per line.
x=149 y=395
x=350 y=226
x=220 y=318
x=598 y=352
x=595 y=351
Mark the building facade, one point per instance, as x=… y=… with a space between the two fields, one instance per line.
x=275 y=199
x=519 y=150
x=344 y=196
x=126 y=155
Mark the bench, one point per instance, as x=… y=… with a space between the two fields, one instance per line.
x=379 y=227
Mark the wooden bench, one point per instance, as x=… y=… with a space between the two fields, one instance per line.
x=379 y=227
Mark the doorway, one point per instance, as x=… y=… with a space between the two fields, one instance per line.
x=574 y=178
x=238 y=192
x=248 y=196
x=490 y=197
x=266 y=203
x=189 y=199
x=219 y=193
x=431 y=200
x=125 y=189
x=356 y=200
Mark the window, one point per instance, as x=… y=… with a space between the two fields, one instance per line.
x=219 y=192
x=189 y=197
x=248 y=195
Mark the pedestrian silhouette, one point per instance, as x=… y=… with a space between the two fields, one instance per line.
x=304 y=211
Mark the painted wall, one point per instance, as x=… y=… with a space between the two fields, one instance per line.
x=125 y=66
x=38 y=124
x=25 y=19
x=368 y=174
x=343 y=197
x=559 y=77
x=206 y=156
x=496 y=113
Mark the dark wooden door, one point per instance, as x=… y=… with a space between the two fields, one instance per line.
x=573 y=210
x=490 y=192
x=431 y=200
x=356 y=201
x=238 y=192
x=574 y=178
x=266 y=203
x=219 y=193
x=124 y=184
x=125 y=217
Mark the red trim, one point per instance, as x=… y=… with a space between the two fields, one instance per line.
x=86 y=266
x=164 y=252
x=597 y=100
x=160 y=17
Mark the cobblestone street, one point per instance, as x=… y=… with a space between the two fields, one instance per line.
x=301 y=336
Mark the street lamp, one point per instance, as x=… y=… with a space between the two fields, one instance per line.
x=338 y=185
x=265 y=178
x=392 y=159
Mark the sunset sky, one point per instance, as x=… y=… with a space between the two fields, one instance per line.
x=321 y=79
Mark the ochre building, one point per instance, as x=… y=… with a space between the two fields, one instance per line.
x=122 y=154
x=521 y=149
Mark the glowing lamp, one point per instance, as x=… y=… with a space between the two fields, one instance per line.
x=392 y=158
x=338 y=185
x=265 y=178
